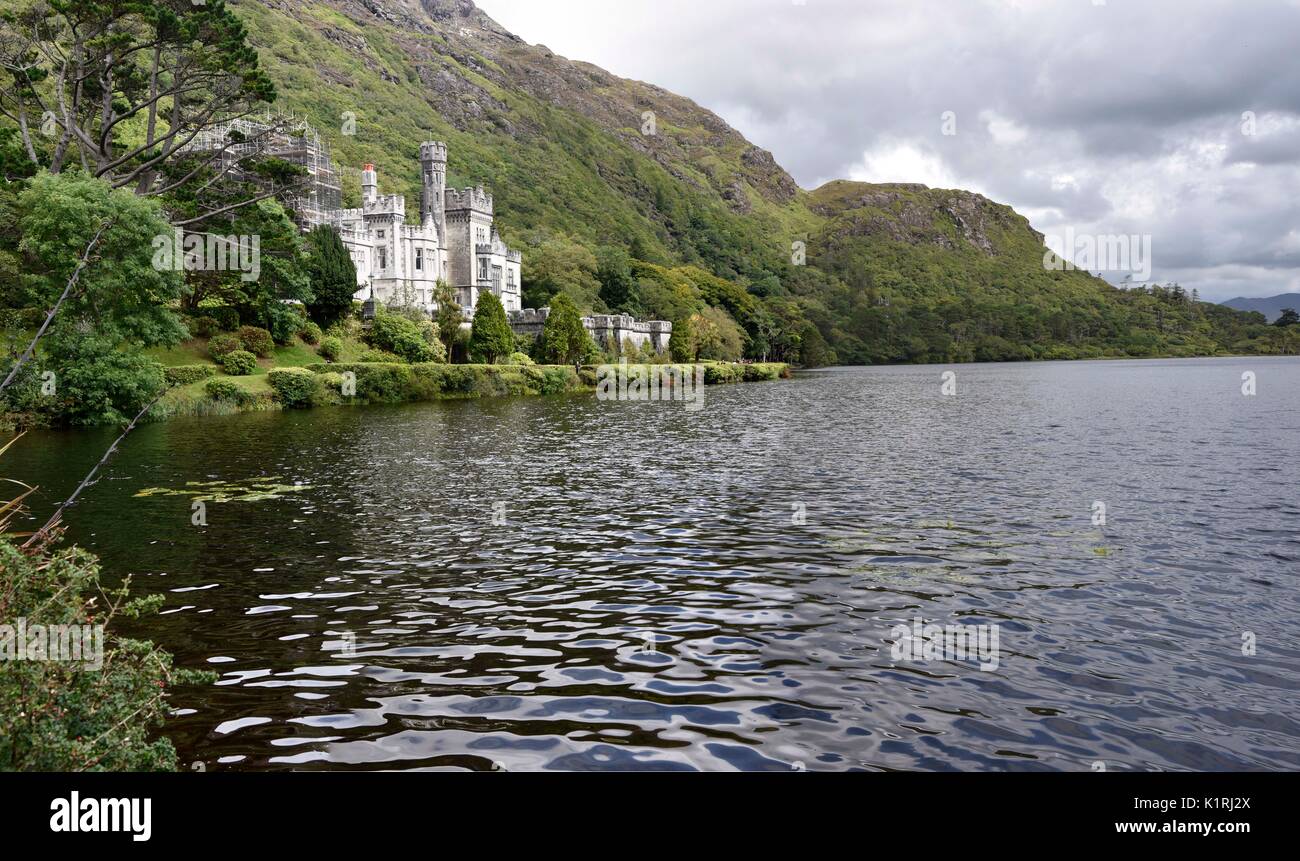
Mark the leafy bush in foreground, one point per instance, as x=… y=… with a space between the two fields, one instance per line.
x=293 y=386
x=61 y=715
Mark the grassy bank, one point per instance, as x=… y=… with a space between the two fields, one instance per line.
x=295 y=376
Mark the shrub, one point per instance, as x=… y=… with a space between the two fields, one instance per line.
x=378 y=357
x=227 y=318
x=227 y=390
x=311 y=333
x=519 y=359
x=403 y=338
x=56 y=716
x=330 y=348
x=257 y=341
x=293 y=386
x=240 y=363
x=204 y=327
x=183 y=375
x=223 y=345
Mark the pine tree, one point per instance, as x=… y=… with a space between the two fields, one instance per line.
x=491 y=337
x=564 y=340
x=333 y=276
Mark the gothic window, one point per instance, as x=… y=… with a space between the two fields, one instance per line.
x=419 y=260
x=383 y=258
x=381 y=234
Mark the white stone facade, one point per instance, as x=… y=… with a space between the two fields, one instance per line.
x=453 y=239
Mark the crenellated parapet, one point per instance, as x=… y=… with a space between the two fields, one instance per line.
x=610 y=331
x=385 y=205
x=469 y=200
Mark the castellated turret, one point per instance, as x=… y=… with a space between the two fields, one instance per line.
x=369 y=184
x=433 y=171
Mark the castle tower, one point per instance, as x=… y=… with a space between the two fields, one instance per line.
x=369 y=185
x=433 y=169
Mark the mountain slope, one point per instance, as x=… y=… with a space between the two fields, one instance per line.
x=896 y=272
x=1271 y=306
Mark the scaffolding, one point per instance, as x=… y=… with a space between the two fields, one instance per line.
x=287 y=137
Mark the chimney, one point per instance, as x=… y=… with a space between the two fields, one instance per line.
x=369 y=185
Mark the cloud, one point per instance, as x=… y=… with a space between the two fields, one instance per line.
x=1119 y=118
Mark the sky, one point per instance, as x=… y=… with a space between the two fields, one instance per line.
x=1173 y=122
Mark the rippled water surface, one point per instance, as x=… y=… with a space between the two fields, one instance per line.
x=557 y=583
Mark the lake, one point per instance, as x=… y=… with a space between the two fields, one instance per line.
x=562 y=583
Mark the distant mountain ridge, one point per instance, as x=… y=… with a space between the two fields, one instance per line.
x=1270 y=306
x=578 y=158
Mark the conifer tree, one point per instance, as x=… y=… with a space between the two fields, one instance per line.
x=564 y=340
x=333 y=276
x=491 y=337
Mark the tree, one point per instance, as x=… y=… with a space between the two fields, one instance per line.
x=450 y=318
x=268 y=295
x=564 y=340
x=681 y=344
x=1289 y=317
x=555 y=264
x=120 y=293
x=332 y=274
x=491 y=337
x=127 y=84
x=618 y=289
x=814 y=351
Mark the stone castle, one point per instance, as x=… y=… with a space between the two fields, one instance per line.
x=452 y=239
x=399 y=261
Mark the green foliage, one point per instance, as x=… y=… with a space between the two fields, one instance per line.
x=554 y=264
x=310 y=333
x=618 y=289
x=121 y=295
x=184 y=375
x=228 y=390
x=98 y=382
x=402 y=383
x=204 y=327
x=257 y=341
x=282 y=271
x=1288 y=317
x=814 y=351
x=491 y=337
x=681 y=344
x=223 y=344
x=330 y=348
x=59 y=716
x=240 y=363
x=564 y=340
x=332 y=274
x=449 y=319
x=396 y=334
x=519 y=359
x=294 y=387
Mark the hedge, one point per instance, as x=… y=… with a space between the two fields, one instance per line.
x=228 y=390
x=398 y=383
x=294 y=387
x=183 y=375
